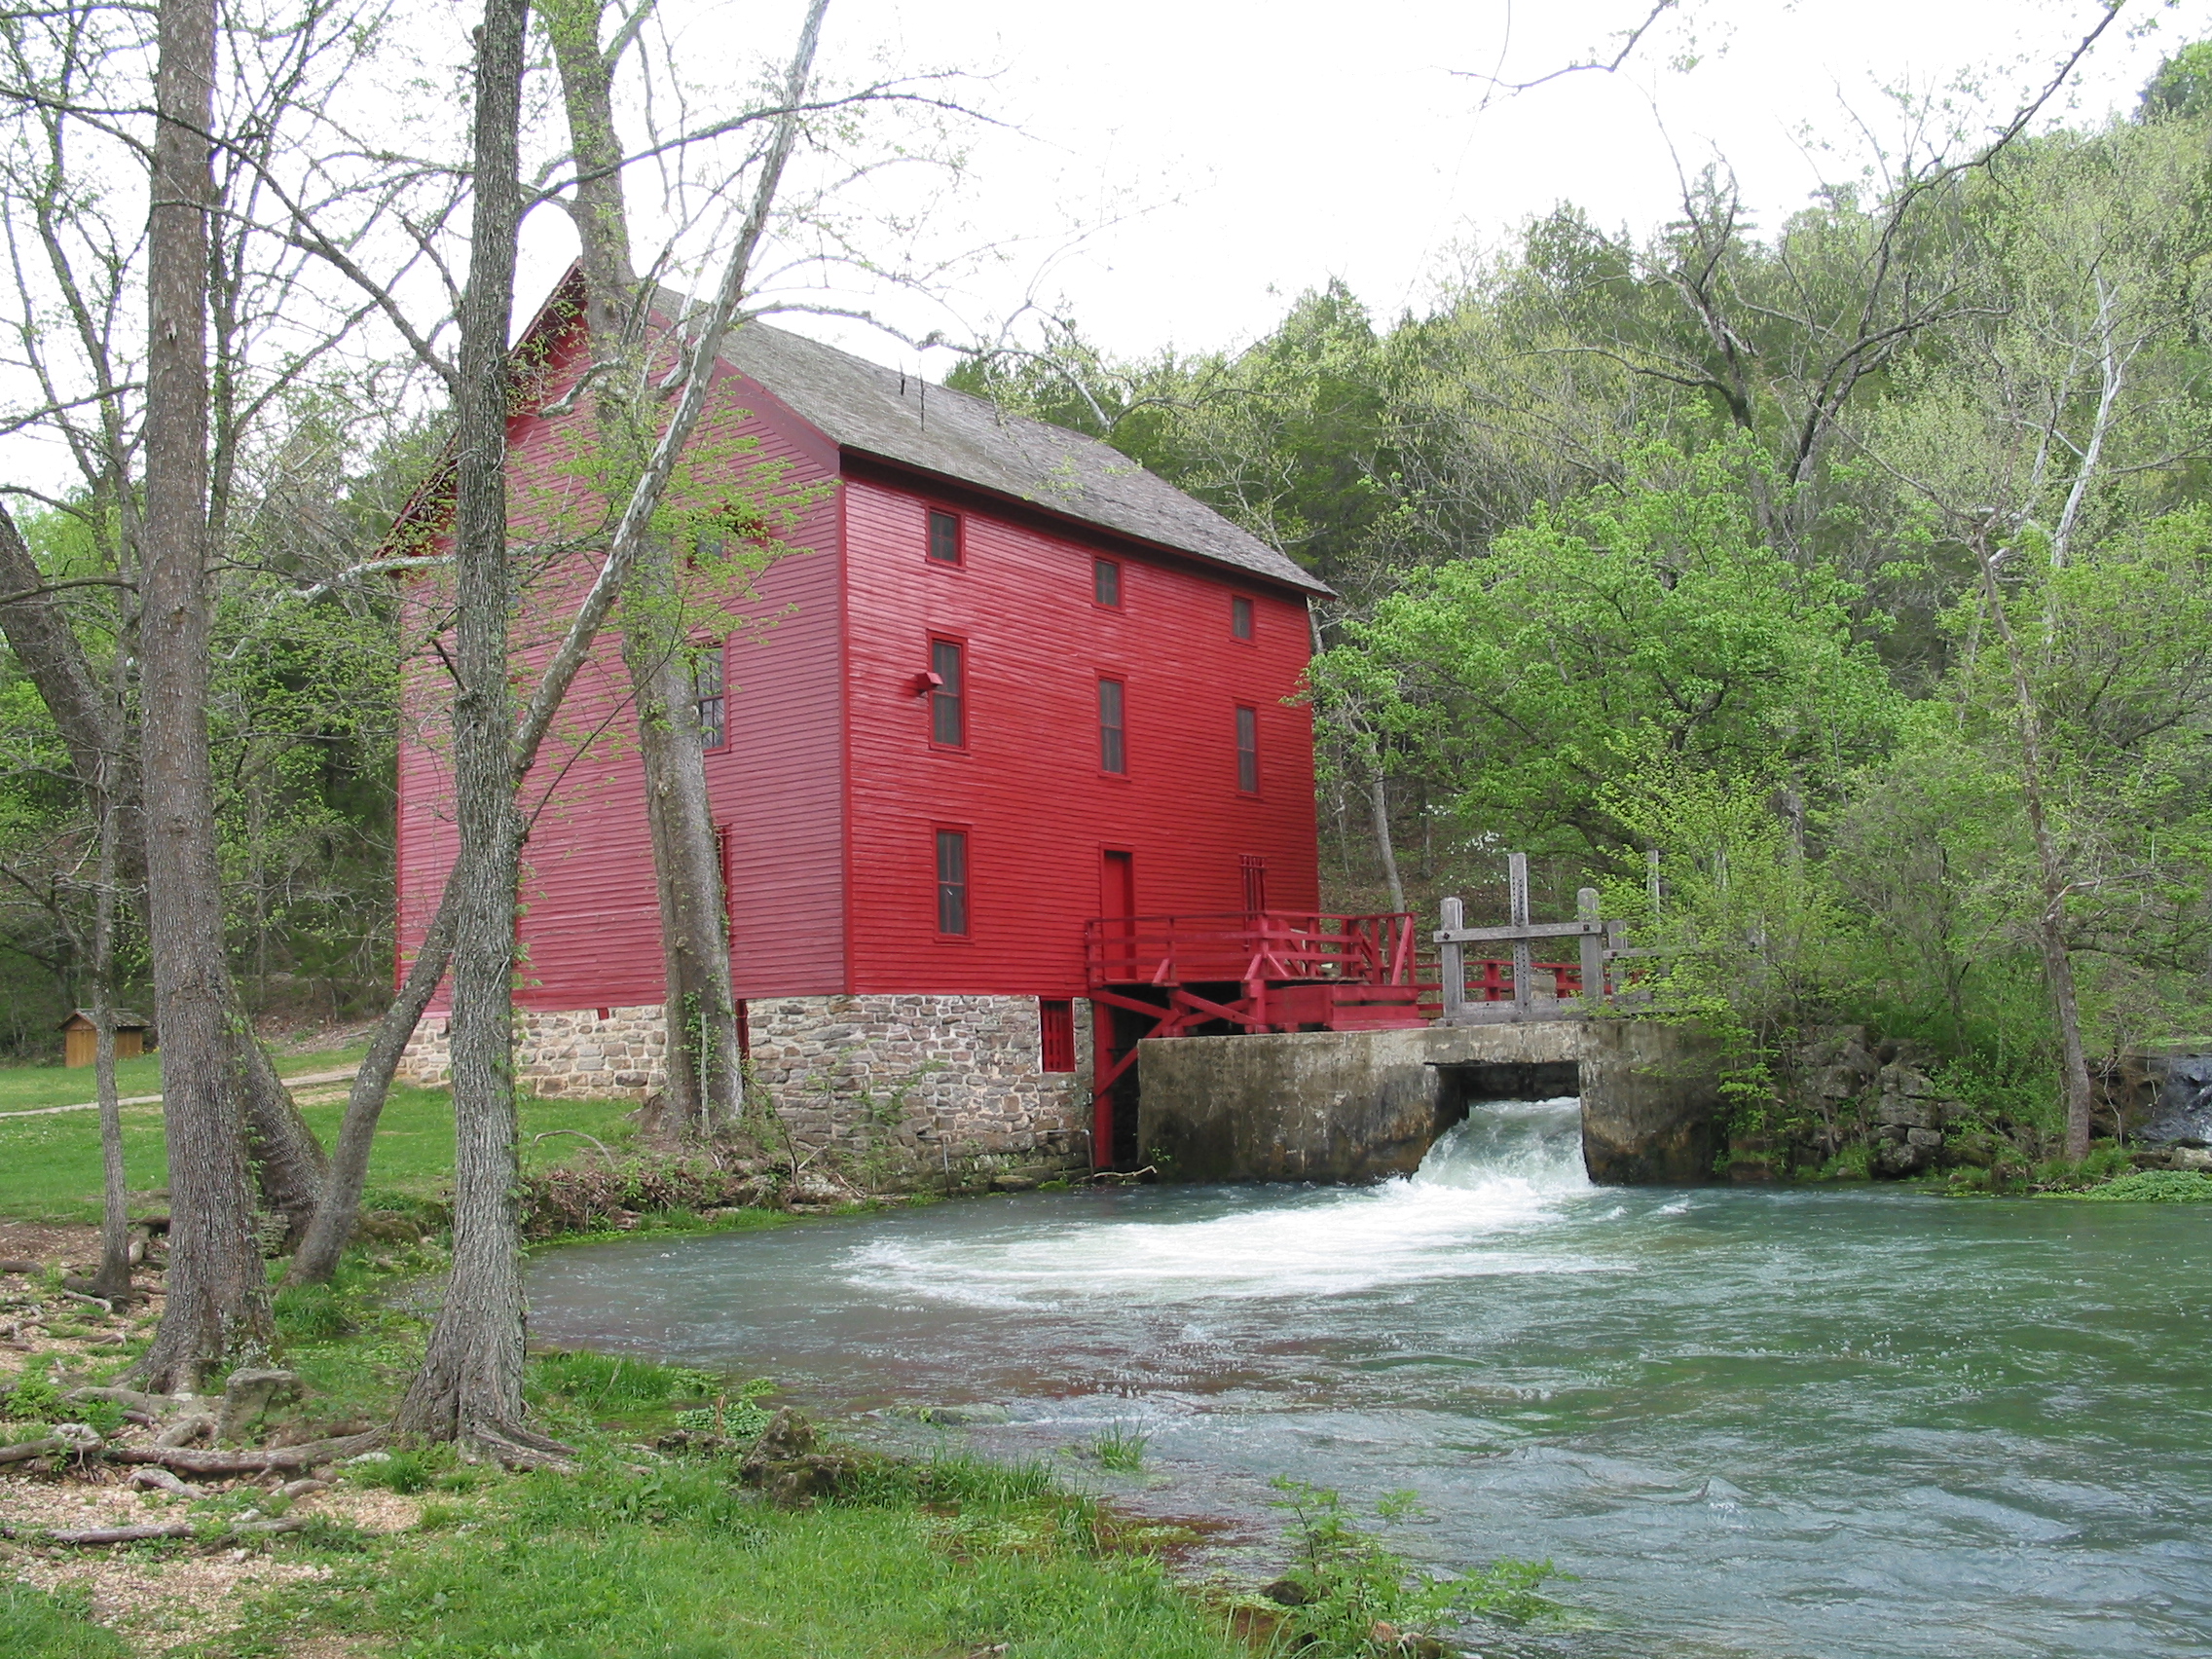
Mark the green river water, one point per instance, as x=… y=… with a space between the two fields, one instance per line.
x=1751 y=1422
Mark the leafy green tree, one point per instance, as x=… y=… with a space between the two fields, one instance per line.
x=1649 y=618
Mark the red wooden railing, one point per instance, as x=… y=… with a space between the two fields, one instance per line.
x=1489 y=978
x=1250 y=944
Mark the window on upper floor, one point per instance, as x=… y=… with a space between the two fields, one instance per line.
x=949 y=697
x=1106 y=582
x=1240 y=618
x=952 y=882
x=944 y=537
x=708 y=701
x=1248 y=751
x=1113 y=730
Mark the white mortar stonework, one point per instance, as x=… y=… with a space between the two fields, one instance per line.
x=942 y=1086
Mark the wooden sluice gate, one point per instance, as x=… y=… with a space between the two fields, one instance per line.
x=1330 y=1058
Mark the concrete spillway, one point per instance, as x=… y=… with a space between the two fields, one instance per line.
x=1353 y=1106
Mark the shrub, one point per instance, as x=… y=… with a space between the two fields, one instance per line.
x=578 y=1200
x=618 y=1383
x=312 y=1314
x=2156 y=1186
x=1353 y=1581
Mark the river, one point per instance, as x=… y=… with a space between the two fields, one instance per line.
x=1751 y=1422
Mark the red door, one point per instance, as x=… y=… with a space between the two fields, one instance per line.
x=1117 y=884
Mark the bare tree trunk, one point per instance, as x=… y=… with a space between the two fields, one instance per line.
x=705 y=1083
x=114 y=1276
x=332 y=1228
x=216 y=1309
x=469 y=1387
x=287 y=1161
x=2050 y=923
x=1379 y=808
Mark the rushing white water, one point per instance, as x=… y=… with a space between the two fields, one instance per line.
x=1808 y=1423
x=1504 y=1170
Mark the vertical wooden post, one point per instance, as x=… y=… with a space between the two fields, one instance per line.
x=1523 y=955
x=1452 y=961
x=1593 y=952
x=1101 y=1099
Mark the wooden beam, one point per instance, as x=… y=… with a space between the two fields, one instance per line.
x=1517 y=912
x=1529 y=930
x=1593 y=948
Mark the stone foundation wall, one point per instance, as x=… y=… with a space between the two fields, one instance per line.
x=902 y=1088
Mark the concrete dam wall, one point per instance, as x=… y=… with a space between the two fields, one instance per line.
x=1354 y=1106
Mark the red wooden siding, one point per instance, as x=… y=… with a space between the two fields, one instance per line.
x=591 y=928
x=1028 y=785
x=829 y=788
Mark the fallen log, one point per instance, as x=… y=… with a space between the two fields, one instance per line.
x=145 y=1535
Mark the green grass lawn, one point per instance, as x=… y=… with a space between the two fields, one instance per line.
x=24 y=1088
x=50 y=1167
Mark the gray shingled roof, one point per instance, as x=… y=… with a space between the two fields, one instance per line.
x=871 y=410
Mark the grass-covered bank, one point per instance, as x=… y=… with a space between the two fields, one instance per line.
x=670 y=1538
x=53 y=1160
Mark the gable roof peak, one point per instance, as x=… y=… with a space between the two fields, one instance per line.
x=902 y=416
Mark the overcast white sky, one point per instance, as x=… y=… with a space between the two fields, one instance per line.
x=1278 y=144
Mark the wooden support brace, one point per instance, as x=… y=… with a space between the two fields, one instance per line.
x=1524 y=957
x=1452 y=958
x=1594 y=986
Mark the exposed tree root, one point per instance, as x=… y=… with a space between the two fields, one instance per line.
x=518 y=1449
x=219 y=1462
x=24 y=1450
x=134 y=1399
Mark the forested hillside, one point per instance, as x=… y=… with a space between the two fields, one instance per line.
x=1823 y=558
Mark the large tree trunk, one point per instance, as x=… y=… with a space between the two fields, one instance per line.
x=705 y=1082
x=2050 y=923
x=469 y=1387
x=332 y=1228
x=287 y=1161
x=217 y=1295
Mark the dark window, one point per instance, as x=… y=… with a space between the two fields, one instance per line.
x=1113 y=736
x=1239 y=618
x=1056 y=1033
x=707 y=695
x=1248 y=751
x=1255 y=873
x=1106 y=582
x=952 y=881
x=948 y=700
x=744 y=1030
x=944 y=537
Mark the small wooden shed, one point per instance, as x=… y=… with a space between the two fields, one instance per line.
x=80 y=1036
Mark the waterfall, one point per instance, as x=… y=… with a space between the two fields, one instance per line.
x=1535 y=1146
